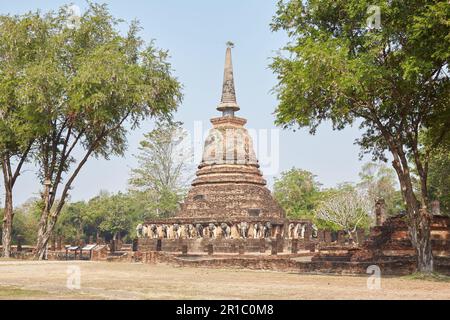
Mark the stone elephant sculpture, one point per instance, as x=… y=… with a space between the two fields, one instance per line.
x=243 y=229
x=139 y=229
x=267 y=230
x=226 y=230
x=182 y=232
x=199 y=230
x=299 y=231
x=211 y=230
x=144 y=231
x=191 y=232
x=291 y=231
x=258 y=230
x=315 y=231
x=152 y=231
x=161 y=231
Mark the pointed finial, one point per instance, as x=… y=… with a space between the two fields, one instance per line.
x=228 y=103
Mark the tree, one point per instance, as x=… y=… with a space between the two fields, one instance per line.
x=164 y=167
x=21 y=47
x=25 y=222
x=393 y=80
x=298 y=192
x=102 y=83
x=439 y=178
x=117 y=214
x=379 y=181
x=73 y=221
x=347 y=209
x=106 y=215
x=116 y=217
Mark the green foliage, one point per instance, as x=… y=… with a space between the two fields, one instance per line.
x=338 y=69
x=379 y=181
x=26 y=218
x=435 y=277
x=65 y=88
x=25 y=222
x=298 y=192
x=439 y=178
x=21 y=44
x=392 y=80
x=106 y=215
x=116 y=217
x=164 y=169
x=73 y=221
x=95 y=83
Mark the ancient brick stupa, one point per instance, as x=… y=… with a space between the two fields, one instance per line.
x=228 y=182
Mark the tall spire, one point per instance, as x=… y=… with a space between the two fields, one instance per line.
x=228 y=103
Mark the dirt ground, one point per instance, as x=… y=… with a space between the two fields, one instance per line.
x=106 y=280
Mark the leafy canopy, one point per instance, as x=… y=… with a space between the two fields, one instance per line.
x=394 y=79
x=164 y=167
x=298 y=192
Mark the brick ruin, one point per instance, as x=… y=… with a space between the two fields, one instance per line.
x=229 y=210
x=390 y=244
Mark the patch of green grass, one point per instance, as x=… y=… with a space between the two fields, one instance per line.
x=14 y=293
x=438 y=277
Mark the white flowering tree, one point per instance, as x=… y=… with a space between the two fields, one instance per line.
x=348 y=210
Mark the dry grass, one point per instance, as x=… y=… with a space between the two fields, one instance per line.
x=437 y=277
x=103 y=280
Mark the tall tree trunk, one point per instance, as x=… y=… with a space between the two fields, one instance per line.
x=7 y=223
x=9 y=180
x=46 y=227
x=44 y=233
x=419 y=219
x=425 y=261
x=42 y=240
x=43 y=229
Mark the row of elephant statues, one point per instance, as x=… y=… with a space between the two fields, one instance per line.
x=298 y=230
x=242 y=230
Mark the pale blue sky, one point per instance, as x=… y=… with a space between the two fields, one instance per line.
x=195 y=33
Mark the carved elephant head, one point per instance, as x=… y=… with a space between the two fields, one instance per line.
x=199 y=229
x=139 y=229
x=315 y=231
x=190 y=230
x=164 y=228
x=267 y=230
x=211 y=228
x=226 y=230
x=243 y=229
